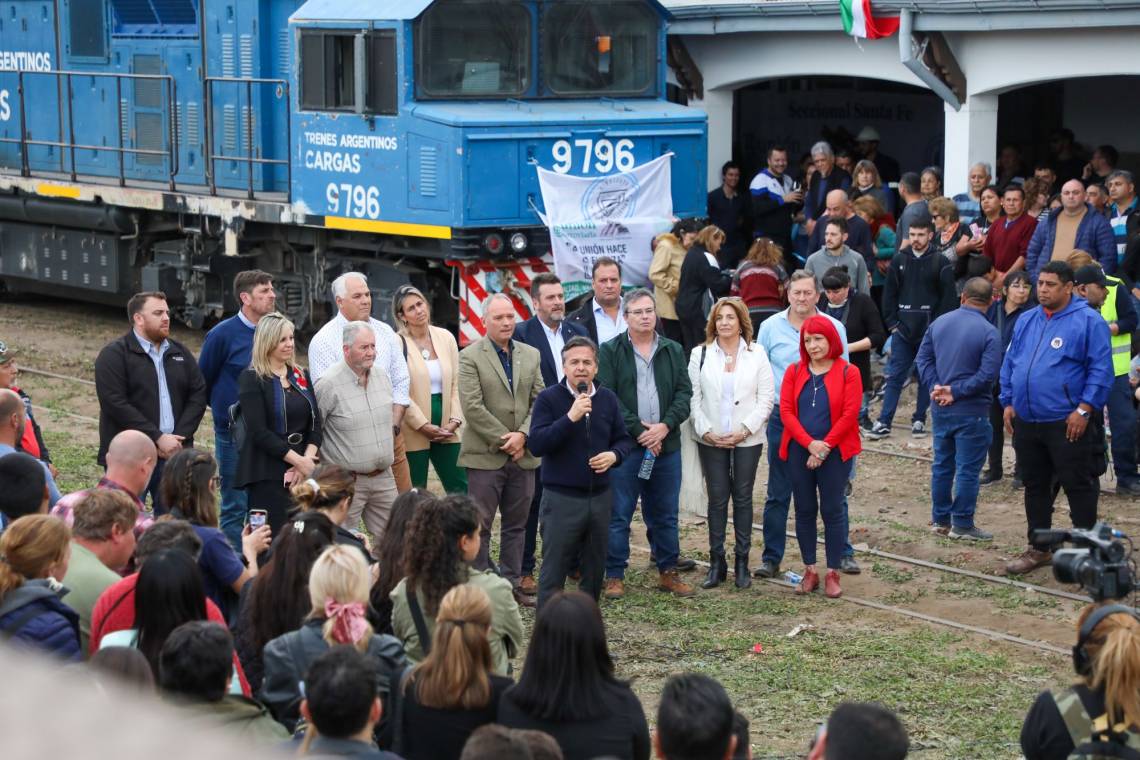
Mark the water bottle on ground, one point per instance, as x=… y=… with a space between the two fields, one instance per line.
x=793 y=579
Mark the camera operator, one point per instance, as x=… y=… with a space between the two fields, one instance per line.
x=1054 y=383
x=1107 y=692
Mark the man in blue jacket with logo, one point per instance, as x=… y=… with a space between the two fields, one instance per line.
x=1054 y=383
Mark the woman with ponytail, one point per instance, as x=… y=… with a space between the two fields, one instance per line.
x=189 y=490
x=442 y=541
x=453 y=691
x=34 y=552
x=277 y=602
x=329 y=491
x=338 y=590
x=1106 y=693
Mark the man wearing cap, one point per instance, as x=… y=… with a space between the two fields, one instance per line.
x=1055 y=380
x=356 y=418
x=1109 y=296
x=32 y=441
x=867 y=141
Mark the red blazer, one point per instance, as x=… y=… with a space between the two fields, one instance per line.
x=844 y=394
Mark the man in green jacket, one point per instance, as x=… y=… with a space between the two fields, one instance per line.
x=195 y=668
x=650 y=376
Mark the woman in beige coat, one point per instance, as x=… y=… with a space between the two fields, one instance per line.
x=665 y=274
x=434 y=416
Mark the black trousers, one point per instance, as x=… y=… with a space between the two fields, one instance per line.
x=730 y=472
x=997 y=443
x=1049 y=462
x=672 y=330
x=570 y=525
x=693 y=334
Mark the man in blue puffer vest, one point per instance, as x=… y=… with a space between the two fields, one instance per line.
x=1075 y=226
x=1054 y=383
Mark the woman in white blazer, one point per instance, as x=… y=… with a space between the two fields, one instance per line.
x=733 y=393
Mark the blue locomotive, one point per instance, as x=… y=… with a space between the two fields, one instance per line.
x=166 y=144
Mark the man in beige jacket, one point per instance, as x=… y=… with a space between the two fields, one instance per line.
x=499 y=379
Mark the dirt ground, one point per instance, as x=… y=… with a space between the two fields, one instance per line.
x=717 y=632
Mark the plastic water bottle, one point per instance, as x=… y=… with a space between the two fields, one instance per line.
x=793 y=579
x=646 y=465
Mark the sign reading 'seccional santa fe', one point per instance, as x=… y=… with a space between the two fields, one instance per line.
x=616 y=216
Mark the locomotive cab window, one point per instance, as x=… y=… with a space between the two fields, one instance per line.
x=87 y=33
x=473 y=49
x=348 y=71
x=594 y=48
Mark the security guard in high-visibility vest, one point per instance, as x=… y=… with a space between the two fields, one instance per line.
x=1110 y=296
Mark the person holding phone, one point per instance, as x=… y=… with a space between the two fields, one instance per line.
x=283 y=422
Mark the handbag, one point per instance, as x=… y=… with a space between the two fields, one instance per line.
x=237 y=425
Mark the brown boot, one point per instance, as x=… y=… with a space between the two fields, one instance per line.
x=615 y=588
x=527 y=585
x=671 y=582
x=1030 y=560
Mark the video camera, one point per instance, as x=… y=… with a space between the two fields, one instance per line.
x=1102 y=566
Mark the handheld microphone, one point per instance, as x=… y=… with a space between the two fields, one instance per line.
x=584 y=388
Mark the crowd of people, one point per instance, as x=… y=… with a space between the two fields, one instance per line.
x=302 y=581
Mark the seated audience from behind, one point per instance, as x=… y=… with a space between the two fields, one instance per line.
x=453 y=691
x=861 y=731
x=330 y=491
x=1106 y=691
x=189 y=490
x=122 y=668
x=342 y=706
x=390 y=566
x=277 y=601
x=23 y=488
x=695 y=720
x=102 y=543
x=442 y=541
x=36 y=549
x=195 y=669
x=115 y=609
x=568 y=688
x=168 y=593
x=338 y=593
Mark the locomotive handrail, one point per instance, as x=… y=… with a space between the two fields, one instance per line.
x=248 y=158
x=171 y=153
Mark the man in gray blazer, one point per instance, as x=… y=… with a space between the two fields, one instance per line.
x=499 y=379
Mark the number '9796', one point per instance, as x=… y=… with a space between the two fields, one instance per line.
x=603 y=156
x=353 y=200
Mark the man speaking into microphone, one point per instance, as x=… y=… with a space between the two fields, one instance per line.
x=577 y=429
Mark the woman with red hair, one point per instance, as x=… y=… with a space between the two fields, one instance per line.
x=819 y=404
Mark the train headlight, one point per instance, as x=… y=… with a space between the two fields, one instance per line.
x=518 y=242
x=493 y=243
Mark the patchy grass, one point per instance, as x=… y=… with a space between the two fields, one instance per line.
x=959 y=698
x=74 y=461
x=891 y=573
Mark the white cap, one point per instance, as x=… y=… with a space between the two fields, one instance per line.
x=868 y=134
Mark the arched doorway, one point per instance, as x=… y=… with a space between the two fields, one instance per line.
x=1096 y=109
x=798 y=111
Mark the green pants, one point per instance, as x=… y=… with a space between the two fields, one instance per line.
x=443 y=457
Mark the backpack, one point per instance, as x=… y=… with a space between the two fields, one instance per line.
x=1095 y=739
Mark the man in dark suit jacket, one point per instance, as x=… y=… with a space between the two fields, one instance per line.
x=145 y=381
x=548 y=330
x=601 y=314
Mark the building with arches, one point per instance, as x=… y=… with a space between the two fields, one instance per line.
x=961 y=80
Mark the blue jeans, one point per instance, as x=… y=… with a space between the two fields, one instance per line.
x=235 y=503
x=780 y=499
x=660 y=497
x=819 y=494
x=152 y=488
x=898 y=370
x=961 y=442
x=1122 y=419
